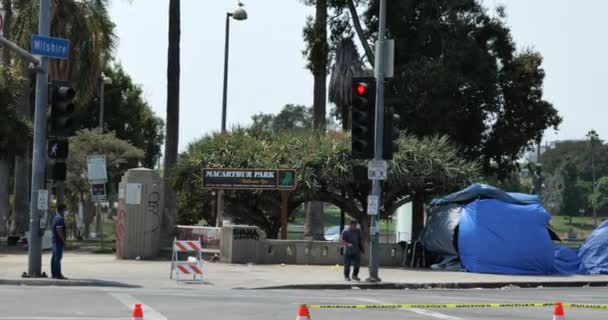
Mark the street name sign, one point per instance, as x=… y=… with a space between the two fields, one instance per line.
x=250 y=179
x=96 y=169
x=377 y=170
x=50 y=47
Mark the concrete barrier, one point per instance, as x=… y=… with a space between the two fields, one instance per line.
x=246 y=244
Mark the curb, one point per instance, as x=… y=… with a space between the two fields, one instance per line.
x=453 y=285
x=41 y=282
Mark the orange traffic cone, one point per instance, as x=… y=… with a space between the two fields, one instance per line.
x=138 y=313
x=303 y=313
x=558 y=313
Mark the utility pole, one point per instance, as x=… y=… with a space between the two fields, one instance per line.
x=39 y=150
x=379 y=130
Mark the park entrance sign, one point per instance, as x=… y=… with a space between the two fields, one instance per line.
x=251 y=179
x=283 y=180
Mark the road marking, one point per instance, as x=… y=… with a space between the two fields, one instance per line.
x=62 y=318
x=129 y=301
x=424 y=312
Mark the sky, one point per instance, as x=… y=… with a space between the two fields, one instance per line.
x=267 y=69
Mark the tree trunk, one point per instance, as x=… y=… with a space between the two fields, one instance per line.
x=359 y=30
x=314 y=216
x=4 y=195
x=172 y=136
x=313 y=227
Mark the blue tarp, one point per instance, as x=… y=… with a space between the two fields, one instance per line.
x=506 y=238
x=594 y=252
x=484 y=191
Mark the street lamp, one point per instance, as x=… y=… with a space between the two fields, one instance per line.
x=239 y=15
x=104 y=81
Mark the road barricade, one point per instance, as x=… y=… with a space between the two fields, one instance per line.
x=193 y=266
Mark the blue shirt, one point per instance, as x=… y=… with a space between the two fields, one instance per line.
x=58 y=223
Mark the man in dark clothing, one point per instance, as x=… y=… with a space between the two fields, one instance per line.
x=58 y=242
x=352 y=241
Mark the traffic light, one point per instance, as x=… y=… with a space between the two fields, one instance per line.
x=59 y=171
x=58 y=148
x=363 y=114
x=61 y=96
x=390 y=142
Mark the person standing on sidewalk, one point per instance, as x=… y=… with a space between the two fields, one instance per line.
x=352 y=241
x=58 y=242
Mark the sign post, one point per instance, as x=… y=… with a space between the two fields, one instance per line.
x=98 y=177
x=283 y=180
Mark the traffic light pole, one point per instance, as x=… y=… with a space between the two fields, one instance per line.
x=38 y=154
x=379 y=130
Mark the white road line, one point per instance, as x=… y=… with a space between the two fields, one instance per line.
x=129 y=301
x=424 y=312
x=62 y=318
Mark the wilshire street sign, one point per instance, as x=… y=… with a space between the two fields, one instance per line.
x=252 y=179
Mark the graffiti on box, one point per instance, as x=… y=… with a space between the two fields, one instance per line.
x=245 y=234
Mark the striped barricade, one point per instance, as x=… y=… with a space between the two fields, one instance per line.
x=184 y=268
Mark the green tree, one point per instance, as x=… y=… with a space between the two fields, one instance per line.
x=325 y=173
x=289 y=118
x=572 y=199
x=172 y=132
x=599 y=197
x=128 y=115
x=120 y=156
x=593 y=139
x=86 y=23
x=14 y=129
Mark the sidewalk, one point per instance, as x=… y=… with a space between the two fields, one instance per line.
x=105 y=270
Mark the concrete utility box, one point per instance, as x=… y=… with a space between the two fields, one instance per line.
x=138 y=226
x=239 y=244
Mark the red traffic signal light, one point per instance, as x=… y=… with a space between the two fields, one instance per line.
x=361 y=88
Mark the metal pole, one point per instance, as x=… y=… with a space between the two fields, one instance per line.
x=376 y=187
x=226 y=51
x=220 y=193
x=38 y=153
x=101 y=106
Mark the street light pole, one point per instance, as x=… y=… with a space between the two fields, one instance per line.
x=104 y=80
x=239 y=15
x=38 y=153
x=376 y=186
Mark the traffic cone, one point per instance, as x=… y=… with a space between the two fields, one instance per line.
x=303 y=313
x=138 y=313
x=558 y=313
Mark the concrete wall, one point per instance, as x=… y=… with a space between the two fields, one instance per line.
x=243 y=247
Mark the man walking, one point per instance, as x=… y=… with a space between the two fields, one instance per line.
x=58 y=242
x=353 y=244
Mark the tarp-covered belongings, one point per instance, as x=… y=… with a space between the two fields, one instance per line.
x=493 y=231
x=594 y=252
x=505 y=238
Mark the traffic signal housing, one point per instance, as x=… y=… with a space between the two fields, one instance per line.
x=390 y=141
x=58 y=148
x=363 y=115
x=61 y=96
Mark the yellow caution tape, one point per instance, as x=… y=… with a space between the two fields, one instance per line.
x=456 y=306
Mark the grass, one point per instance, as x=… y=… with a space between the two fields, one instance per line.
x=582 y=226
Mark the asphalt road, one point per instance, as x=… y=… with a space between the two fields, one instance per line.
x=199 y=302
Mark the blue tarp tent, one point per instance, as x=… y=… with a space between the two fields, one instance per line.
x=505 y=238
x=594 y=252
x=493 y=231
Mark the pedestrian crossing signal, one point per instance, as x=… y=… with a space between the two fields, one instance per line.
x=58 y=149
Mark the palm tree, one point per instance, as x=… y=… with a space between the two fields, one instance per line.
x=87 y=25
x=346 y=66
x=172 y=136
